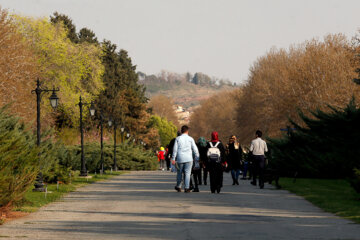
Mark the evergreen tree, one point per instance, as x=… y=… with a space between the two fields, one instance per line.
x=19 y=162
x=86 y=35
x=68 y=25
x=123 y=98
x=196 y=79
x=326 y=146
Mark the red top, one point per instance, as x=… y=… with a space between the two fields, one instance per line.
x=161 y=155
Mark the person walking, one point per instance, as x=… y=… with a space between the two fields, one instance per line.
x=161 y=158
x=258 y=148
x=216 y=159
x=202 y=146
x=234 y=159
x=167 y=158
x=183 y=152
x=170 y=152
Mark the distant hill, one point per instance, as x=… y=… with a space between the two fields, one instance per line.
x=186 y=89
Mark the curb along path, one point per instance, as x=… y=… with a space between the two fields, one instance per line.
x=143 y=205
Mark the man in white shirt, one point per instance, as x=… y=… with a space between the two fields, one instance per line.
x=258 y=148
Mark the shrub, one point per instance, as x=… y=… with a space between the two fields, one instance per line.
x=326 y=147
x=128 y=155
x=19 y=161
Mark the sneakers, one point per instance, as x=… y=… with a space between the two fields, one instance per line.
x=196 y=190
x=253 y=183
x=187 y=190
x=177 y=189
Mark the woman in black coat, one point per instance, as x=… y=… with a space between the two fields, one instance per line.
x=234 y=159
x=216 y=167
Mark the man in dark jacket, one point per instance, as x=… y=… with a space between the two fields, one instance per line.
x=202 y=146
x=171 y=148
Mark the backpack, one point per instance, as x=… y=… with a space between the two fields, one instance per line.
x=213 y=153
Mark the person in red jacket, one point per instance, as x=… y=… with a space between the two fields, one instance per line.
x=161 y=157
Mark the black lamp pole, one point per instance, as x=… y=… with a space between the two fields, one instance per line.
x=39 y=184
x=83 y=171
x=115 y=165
x=102 y=143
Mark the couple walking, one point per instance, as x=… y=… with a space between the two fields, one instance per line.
x=186 y=153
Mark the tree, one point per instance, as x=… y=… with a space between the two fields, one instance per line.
x=188 y=77
x=308 y=76
x=217 y=113
x=86 y=35
x=320 y=145
x=123 y=98
x=167 y=130
x=68 y=24
x=163 y=106
x=18 y=70
x=196 y=79
x=75 y=68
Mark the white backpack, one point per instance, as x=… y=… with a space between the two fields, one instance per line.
x=213 y=153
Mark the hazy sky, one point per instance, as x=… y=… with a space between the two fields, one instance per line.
x=219 y=37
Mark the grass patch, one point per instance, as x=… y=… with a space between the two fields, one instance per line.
x=34 y=200
x=331 y=195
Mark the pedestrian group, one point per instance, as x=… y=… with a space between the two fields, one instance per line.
x=203 y=158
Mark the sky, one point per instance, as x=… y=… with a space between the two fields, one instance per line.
x=220 y=38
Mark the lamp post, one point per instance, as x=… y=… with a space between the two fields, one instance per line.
x=113 y=122
x=122 y=129
x=54 y=100
x=102 y=143
x=102 y=119
x=83 y=171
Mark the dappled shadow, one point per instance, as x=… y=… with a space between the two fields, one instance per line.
x=145 y=206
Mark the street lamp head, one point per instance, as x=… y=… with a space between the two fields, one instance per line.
x=128 y=135
x=92 y=109
x=54 y=100
x=110 y=122
x=122 y=129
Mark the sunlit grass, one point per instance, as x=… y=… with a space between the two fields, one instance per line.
x=34 y=200
x=335 y=196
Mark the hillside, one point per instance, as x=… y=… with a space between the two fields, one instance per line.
x=187 y=90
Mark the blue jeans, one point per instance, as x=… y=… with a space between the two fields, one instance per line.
x=246 y=166
x=186 y=169
x=235 y=174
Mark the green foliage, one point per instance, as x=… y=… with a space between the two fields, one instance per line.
x=167 y=130
x=335 y=196
x=86 y=35
x=355 y=182
x=34 y=200
x=19 y=161
x=59 y=168
x=128 y=157
x=68 y=24
x=123 y=98
x=326 y=147
x=75 y=68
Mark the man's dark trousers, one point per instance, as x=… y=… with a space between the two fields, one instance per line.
x=259 y=167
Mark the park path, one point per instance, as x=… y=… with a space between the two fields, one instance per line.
x=143 y=205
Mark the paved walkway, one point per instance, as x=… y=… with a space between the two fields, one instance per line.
x=143 y=205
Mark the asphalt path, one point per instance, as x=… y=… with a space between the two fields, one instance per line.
x=144 y=205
